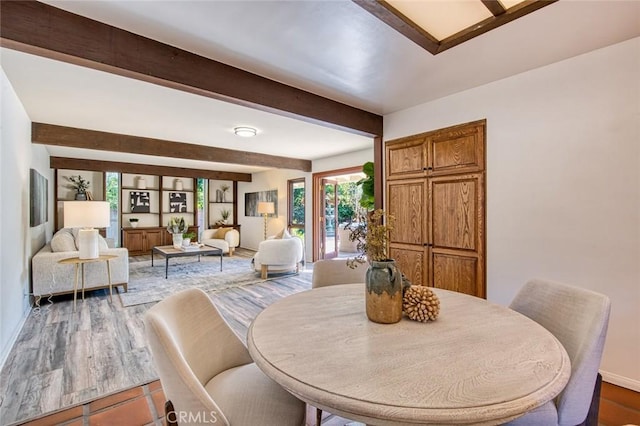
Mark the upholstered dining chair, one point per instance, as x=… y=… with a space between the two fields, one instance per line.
x=333 y=272
x=207 y=373
x=578 y=318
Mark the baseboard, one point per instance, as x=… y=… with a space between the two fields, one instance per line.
x=14 y=337
x=618 y=380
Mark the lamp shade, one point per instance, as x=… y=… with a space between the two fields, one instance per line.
x=86 y=214
x=266 y=207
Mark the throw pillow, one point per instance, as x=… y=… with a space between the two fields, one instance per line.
x=63 y=241
x=222 y=232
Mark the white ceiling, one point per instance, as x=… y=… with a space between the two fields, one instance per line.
x=332 y=48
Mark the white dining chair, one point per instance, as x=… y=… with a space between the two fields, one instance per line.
x=578 y=318
x=207 y=373
x=333 y=272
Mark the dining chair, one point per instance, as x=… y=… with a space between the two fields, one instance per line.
x=333 y=272
x=207 y=373
x=578 y=318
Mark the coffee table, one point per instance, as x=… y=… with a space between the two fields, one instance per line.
x=169 y=252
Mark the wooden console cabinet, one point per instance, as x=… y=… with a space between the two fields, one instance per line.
x=141 y=240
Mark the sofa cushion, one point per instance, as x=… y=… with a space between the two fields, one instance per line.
x=221 y=232
x=63 y=241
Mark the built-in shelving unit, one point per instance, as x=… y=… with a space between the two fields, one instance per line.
x=222 y=198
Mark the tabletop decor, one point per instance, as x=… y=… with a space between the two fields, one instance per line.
x=420 y=303
x=384 y=279
x=176 y=227
x=80 y=185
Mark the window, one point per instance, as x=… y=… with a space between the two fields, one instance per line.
x=296 y=195
x=113 y=197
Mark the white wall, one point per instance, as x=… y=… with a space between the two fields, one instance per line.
x=563 y=183
x=252 y=228
x=351 y=159
x=18 y=242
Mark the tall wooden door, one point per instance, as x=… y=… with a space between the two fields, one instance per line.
x=456 y=240
x=407 y=202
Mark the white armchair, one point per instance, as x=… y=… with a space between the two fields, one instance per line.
x=278 y=255
x=226 y=239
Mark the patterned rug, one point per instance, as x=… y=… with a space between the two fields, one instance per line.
x=147 y=283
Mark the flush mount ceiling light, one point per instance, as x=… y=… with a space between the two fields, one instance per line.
x=245 y=132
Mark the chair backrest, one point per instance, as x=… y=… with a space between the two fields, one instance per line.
x=191 y=343
x=336 y=271
x=578 y=318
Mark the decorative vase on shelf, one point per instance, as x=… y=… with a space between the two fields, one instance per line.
x=81 y=196
x=178 y=185
x=142 y=183
x=134 y=224
x=384 y=292
x=177 y=240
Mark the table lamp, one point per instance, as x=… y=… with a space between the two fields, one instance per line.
x=265 y=208
x=87 y=215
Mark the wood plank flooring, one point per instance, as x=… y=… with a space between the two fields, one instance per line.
x=63 y=358
x=66 y=359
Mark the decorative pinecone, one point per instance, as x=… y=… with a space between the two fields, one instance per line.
x=420 y=303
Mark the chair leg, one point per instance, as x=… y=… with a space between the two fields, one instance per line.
x=594 y=409
x=263 y=272
x=318 y=417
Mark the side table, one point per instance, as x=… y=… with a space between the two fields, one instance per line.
x=81 y=262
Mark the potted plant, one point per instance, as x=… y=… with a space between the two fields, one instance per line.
x=384 y=287
x=176 y=227
x=225 y=215
x=187 y=237
x=134 y=222
x=80 y=185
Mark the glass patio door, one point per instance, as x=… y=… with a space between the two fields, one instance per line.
x=329 y=219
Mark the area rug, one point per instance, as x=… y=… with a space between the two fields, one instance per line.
x=147 y=283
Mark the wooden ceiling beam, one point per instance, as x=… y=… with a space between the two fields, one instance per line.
x=49 y=134
x=143 y=169
x=399 y=22
x=44 y=30
x=405 y=26
x=494 y=6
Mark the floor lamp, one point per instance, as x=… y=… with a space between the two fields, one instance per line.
x=265 y=208
x=87 y=215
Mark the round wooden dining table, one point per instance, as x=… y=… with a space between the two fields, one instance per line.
x=478 y=363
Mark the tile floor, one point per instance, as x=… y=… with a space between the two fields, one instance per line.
x=140 y=406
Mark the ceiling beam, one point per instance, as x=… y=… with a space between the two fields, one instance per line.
x=399 y=22
x=494 y=6
x=44 y=30
x=405 y=26
x=144 y=169
x=49 y=134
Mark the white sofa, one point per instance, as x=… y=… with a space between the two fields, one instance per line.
x=51 y=278
x=226 y=239
x=279 y=255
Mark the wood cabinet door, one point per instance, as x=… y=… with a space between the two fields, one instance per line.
x=457 y=149
x=154 y=238
x=456 y=235
x=133 y=240
x=406 y=202
x=406 y=158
